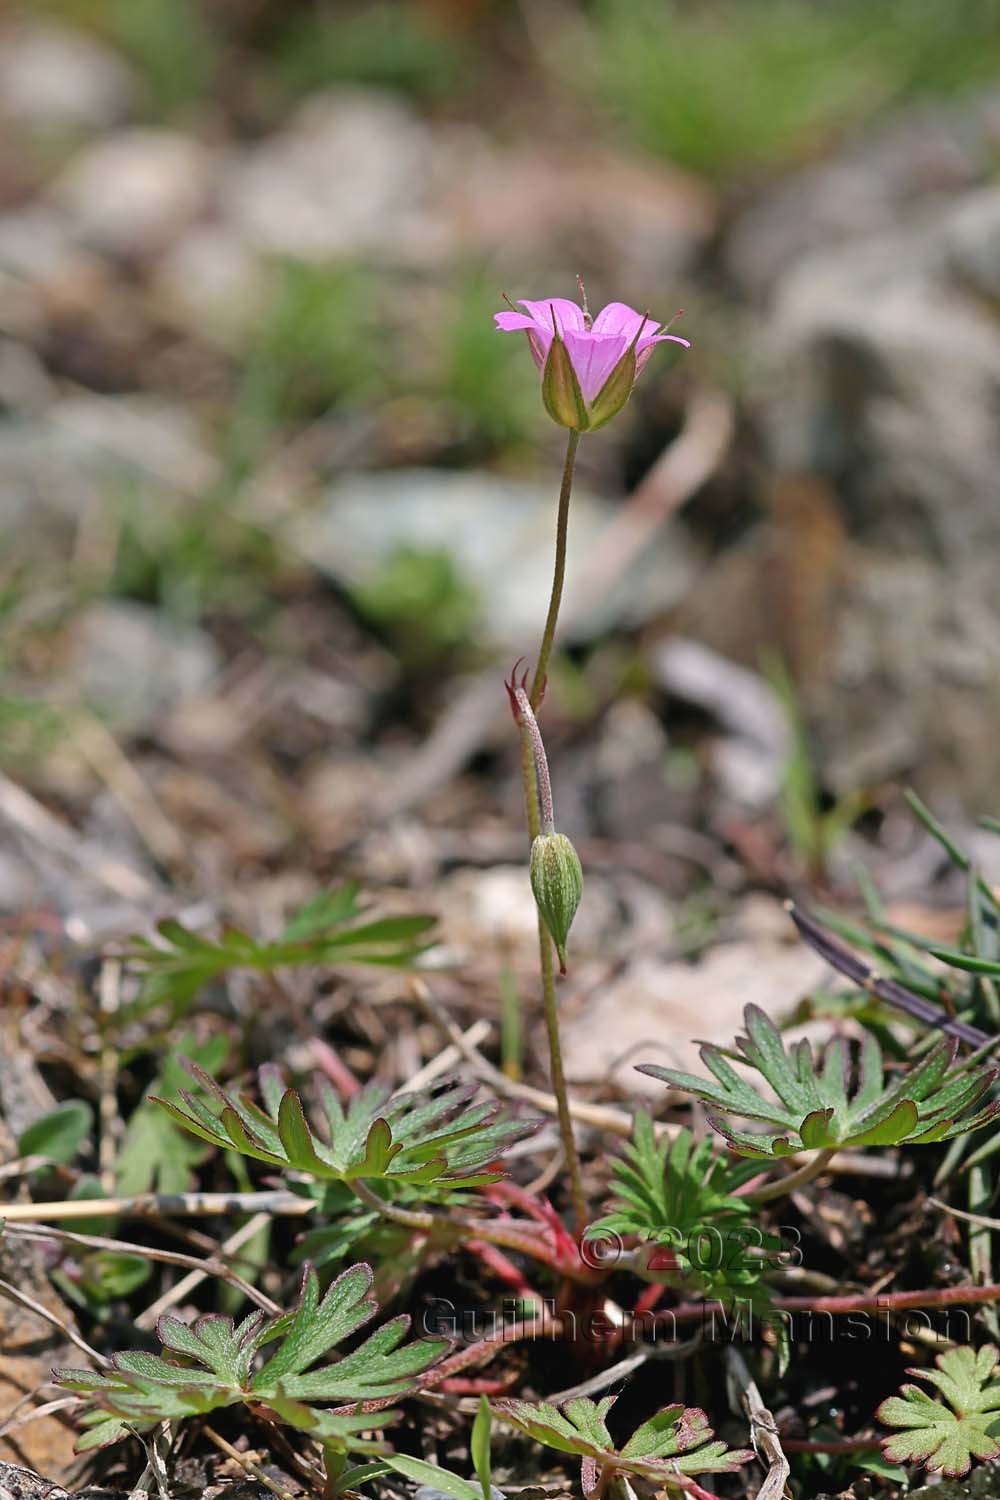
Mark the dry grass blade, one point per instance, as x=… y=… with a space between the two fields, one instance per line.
x=211 y=1266
x=248 y=1466
x=159 y=1205
x=31 y=1305
x=763 y=1428
x=601 y=1116
x=194 y=1279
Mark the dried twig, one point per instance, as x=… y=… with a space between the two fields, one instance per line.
x=743 y=1394
x=960 y=1213
x=104 y=755
x=14 y=1294
x=626 y=1367
x=212 y=1266
x=30 y=819
x=159 y=1205
x=447 y=1058
x=680 y=471
x=14 y=1423
x=602 y=1116
x=248 y=1465
x=187 y=1284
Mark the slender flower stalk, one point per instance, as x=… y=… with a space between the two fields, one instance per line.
x=558 y=574
x=529 y=780
x=589 y=367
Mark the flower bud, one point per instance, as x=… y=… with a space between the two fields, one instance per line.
x=557 y=883
x=561 y=389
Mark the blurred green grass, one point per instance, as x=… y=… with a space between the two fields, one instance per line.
x=719 y=86
x=342 y=337
x=384 y=45
x=733 y=85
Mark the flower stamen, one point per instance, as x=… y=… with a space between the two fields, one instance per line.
x=588 y=321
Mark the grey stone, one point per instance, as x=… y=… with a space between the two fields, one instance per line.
x=212 y=283
x=652 y=1010
x=499 y=533
x=357 y=172
x=133 y=665
x=349 y=174
x=971 y=237
x=87 y=451
x=134 y=192
x=922 y=159
x=885 y=377
x=54 y=77
x=36 y=241
x=882 y=376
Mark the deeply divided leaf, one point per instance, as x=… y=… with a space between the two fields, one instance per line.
x=439 y=1136
x=211 y=1365
x=813 y=1106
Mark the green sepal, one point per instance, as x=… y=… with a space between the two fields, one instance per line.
x=615 y=391
x=561 y=389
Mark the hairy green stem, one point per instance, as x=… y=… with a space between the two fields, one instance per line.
x=558 y=574
x=794 y=1180
x=530 y=782
x=423 y=1221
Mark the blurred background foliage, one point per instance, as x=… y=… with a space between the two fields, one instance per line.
x=746 y=85
x=650 y=144
x=717 y=85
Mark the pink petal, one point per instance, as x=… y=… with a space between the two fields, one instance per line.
x=620 y=319
x=568 y=315
x=644 y=347
x=593 y=359
x=508 y=322
x=539 y=337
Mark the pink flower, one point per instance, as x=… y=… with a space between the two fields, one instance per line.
x=588 y=367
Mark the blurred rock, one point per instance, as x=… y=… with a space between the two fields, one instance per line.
x=659 y=1010
x=52 y=76
x=36 y=242
x=85 y=452
x=133 y=665
x=886 y=372
x=920 y=161
x=358 y=171
x=135 y=192
x=972 y=243
x=151 y=436
x=629 y=791
x=349 y=174
x=211 y=283
x=647 y=221
x=493 y=910
x=749 y=760
x=498 y=533
x=17 y=886
x=884 y=380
